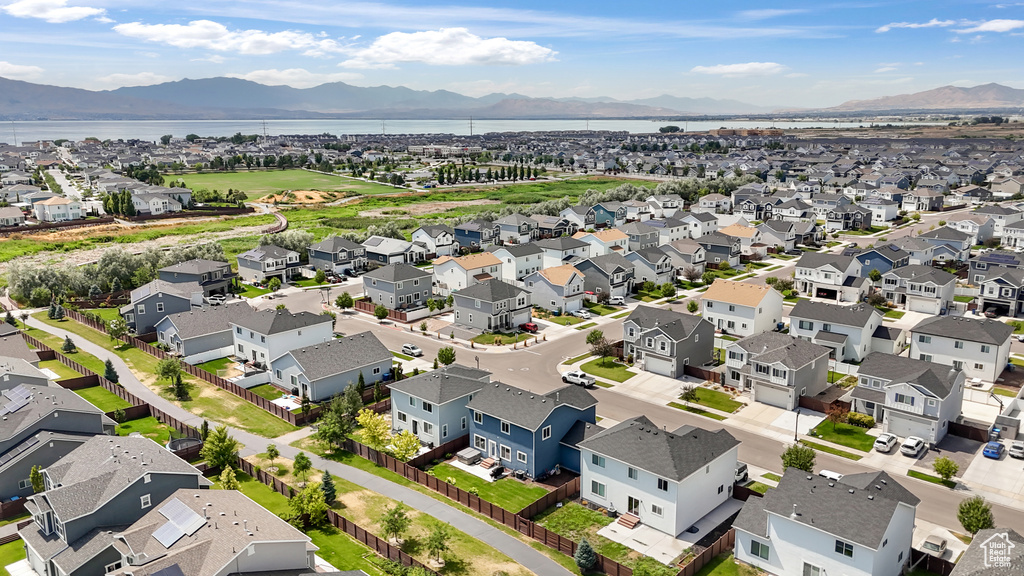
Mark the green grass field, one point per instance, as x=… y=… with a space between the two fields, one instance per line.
x=845 y=435
x=215 y=366
x=725 y=565
x=62 y=371
x=717 y=400
x=933 y=479
x=149 y=427
x=509 y=493
x=695 y=410
x=107 y=314
x=830 y=450
x=260 y=183
x=102 y=398
x=10 y=553
x=490 y=338
x=608 y=369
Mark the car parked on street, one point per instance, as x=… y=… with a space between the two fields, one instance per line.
x=579 y=378
x=993 y=450
x=1016 y=450
x=885 y=442
x=411 y=350
x=912 y=446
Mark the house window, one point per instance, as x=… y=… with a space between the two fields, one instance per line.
x=428 y=407
x=597 y=460
x=403 y=417
x=958 y=364
x=159 y=306
x=112 y=567
x=844 y=548
x=732 y=308
x=506 y=428
x=924 y=339
x=428 y=428
x=463 y=422
x=24 y=484
x=663 y=347
x=931 y=402
x=278 y=372
x=479 y=442
x=444 y=430
x=596 y=488
x=295 y=380
x=141 y=309
x=805 y=325
x=145 y=501
x=812 y=570
x=711 y=304
x=985 y=348
x=238 y=330
x=412 y=401
x=979 y=366
x=657 y=510
x=759 y=550
x=376 y=370
x=545 y=433
x=632 y=473
x=663 y=484
x=506 y=452
x=904 y=399
x=478 y=417
x=958 y=344
x=521 y=456
x=926 y=357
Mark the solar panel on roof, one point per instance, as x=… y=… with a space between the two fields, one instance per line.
x=168 y=534
x=182 y=516
x=15 y=405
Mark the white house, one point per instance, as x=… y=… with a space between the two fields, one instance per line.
x=978 y=346
x=1001 y=216
x=518 y=260
x=265 y=336
x=980 y=227
x=861 y=525
x=830 y=276
x=847 y=330
x=559 y=288
x=452 y=274
x=667 y=480
x=699 y=223
x=747 y=235
x=741 y=309
x=605 y=241
x=438 y=239
x=563 y=250
x=58 y=209
x=919 y=288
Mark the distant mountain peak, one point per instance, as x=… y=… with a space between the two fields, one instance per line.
x=981 y=97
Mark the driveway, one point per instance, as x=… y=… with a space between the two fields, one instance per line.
x=960 y=450
x=1002 y=478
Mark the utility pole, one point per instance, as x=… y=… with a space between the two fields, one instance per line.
x=382 y=131
x=470 y=125
x=15 y=129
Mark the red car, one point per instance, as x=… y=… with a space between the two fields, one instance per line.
x=529 y=327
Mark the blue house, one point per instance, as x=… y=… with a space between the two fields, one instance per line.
x=882 y=258
x=475 y=235
x=532 y=432
x=609 y=214
x=432 y=405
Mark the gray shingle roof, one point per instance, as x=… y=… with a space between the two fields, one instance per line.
x=856 y=315
x=524 y=408
x=86 y=548
x=435 y=230
x=672 y=455
x=276 y=321
x=493 y=290
x=647 y=317
x=772 y=347
x=335 y=244
x=973 y=561
x=922 y=273
x=14 y=346
x=439 y=386
x=397 y=273
x=562 y=243
x=937 y=379
x=945 y=233
x=181 y=289
x=816 y=260
x=196 y=266
x=339 y=356
x=981 y=330
x=213 y=319
x=45 y=400
x=518 y=250
x=261 y=253
x=842 y=509
x=609 y=262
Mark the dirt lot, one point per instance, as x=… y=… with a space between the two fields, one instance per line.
x=303 y=197
x=976 y=131
x=425 y=208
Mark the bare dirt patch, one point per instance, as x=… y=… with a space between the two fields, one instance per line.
x=422 y=208
x=303 y=197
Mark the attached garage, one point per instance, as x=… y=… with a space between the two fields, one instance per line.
x=663 y=366
x=780 y=398
x=924 y=305
x=903 y=426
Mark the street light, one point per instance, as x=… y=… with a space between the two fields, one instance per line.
x=477 y=358
x=796 y=427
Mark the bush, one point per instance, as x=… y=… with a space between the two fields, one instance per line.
x=862 y=420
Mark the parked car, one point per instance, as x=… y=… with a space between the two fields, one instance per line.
x=411 y=350
x=617 y=301
x=584 y=314
x=993 y=450
x=934 y=546
x=912 y=446
x=833 y=476
x=741 y=473
x=217 y=299
x=1016 y=450
x=579 y=378
x=885 y=442
x=991 y=313
x=1020 y=337
x=350 y=273
x=529 y=327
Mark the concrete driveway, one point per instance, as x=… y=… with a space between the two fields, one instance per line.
x=1002 y=478
x=922 y=530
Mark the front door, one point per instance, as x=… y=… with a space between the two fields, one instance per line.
x=492 y=448
x=253 y=355
x=633 y=506
x=415 y=427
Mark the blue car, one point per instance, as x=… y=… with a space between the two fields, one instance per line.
x=993 y=450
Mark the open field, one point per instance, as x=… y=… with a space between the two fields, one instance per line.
x=263 y=183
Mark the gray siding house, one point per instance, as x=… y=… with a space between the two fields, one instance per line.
x=334 y=254
x=777 y=368
x=433 y=405
x=398 y=286
x=212 y=276
x=201 y=331
x=324 y=370
x=492 y=306
x=266 y=262
x=609 y=274
x=651 y=265
x=664 y=342
x=152 y=302
x=559 y=289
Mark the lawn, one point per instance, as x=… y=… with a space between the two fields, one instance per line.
x=10 y=553
x=401 y=356
x=107 y=314
x=586 y=326
x=759 y=487
x=87 y=360
x=62 y=371
x=645 y=296
x=268 y=391
x=149 y=427
x=963 y=299
x=831 y=450
x=1018 y=326
x=933 y=479
x=995 y=390
x=508 y=493
x=601 y=309
x=698 y=411
x=895 y=314
x=564 y=320
x=717 y=400
x=260 y=183
x=725 y=565
x=102 y=398
x=501 y=339
x=250 y=291
x=845 y=435
x=622 y=314
x=578 y=358
x=608 y=369
x=772 y=476
x=215 y=366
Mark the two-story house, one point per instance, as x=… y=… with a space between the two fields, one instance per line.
x=921 y=252
x=748 y=236
x=97 y=490
x=830 y=276
x=1001 y=216
x=606 y=241
x=884 y=257
x=922 y=201
x=323 y=370
x=668 y=230
x=1002 y=288
x=212 y=276
x=558 y=289
x=11 y=216
x=777 y=368
x=651 y=265
x=666 y=480
x=57 y=209
x=476 y=234
x=202 y=334
x=432 y=405
x=611 y=274
x=664 y=205
x=778 y=233
x=563 y=250
x=847 y=330
x=151 y=302
x=848 y=217
x=980 y=227
x=908 y=396
x=579 y=217
x=699 y=223
x=528 y=431
x=978 y=346
x=686 y=253
x=665 y=342
x=741 y=309
x=438 y=239
x=455 y=273
x=517 y=229
x=950 y=244
x=383 y=251
x=336 y=254
x=919 y=288
x=860 y=525
x=641 y=235
x=719 y=248
x=398 y=286
x=492 y=305
x=882 y=210
x=552 y=226
x=265 y=262
x=266 y=335
x=518 y=260
x=609 y=214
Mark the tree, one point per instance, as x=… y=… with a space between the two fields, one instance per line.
x=274 y=284
x=228 y=480
x=692 y=306
x=648 y=286
x=395 y=521
x=58 y=312
x=449 y=301
x=302 y=465
x=168 y=368
x=360 y=386
x=35 y=476
x=945 y=467
x=446 y=355
x=668 y=290
x=688 y=393
x=117 y=328
x=272 y=454
x=311 y=503
x=437 y=540
x=875 y=275
x=376 y=429
x=975 y=514
x=405 y=445
x=798 y=456
x=707 y=277
x=593 y=337
x=837 y=413
x=585 y=556
x=109 y=372
x=69 y=346
x=320 y=277
x=10 y=319
x=344 y=301
x=691 y=273
x=204 y=431
x=877 y=300
x=327 y=485
x=219 y=449
x=305 y=405
x=120 y=416
x=381 y=312
x=378 y=390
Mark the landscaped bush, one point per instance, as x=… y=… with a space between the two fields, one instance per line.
x=862 y=420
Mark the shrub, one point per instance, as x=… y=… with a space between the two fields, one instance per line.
x=862 y=420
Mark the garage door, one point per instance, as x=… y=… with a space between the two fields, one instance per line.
x=904 y=427
x=923 y=305
x=658 y=366
x=772 y=396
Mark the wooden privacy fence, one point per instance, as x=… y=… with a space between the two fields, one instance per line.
x=924 y=561
x=820 y=405
x=967 y=431
x=698 y=372
x=741 y=492
x=723 y=544
x=12 y=508
x=13 y=537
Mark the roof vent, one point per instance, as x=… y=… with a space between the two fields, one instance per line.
x=794 y=515
x=882 y=480
x=831 y=484
x=871 y=496
x=850 y=490
x=809 y=477
x=877 y=487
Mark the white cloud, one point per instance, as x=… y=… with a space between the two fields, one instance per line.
x=295 y=77
x=141 y=79
x=215 y=58
x=885 y=69
x=744 y=69
x=993 y=26
x=933 y=23
x=766 y=13
x=214 y=36
x=53 y=11
x=20 y=72
x=797 y=75
x=447 y=47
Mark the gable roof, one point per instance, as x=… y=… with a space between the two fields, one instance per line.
x=559 y=275
x=562 y=243
x=518 y=250
x=439 y=386
x=738 y=231
x=855 y=315
x=269 y=322
x=471 y=261
x=340 y=355
x=492 y=290
x=733 y=292
x=267 y=252
x=840 y=262
x=335 y=244
x=607 y=263
x=981 y=330
x=397 y=273
x=435 y=230
x=937 y=379
x=43 y=401
x=527 y=409
x=922 y=273
x=974 y=561
x=14 y=346
x=606 y=235
x=945 y=233
x=776 y=347
x=180 y=289
x=210 y=320
x=196 y=266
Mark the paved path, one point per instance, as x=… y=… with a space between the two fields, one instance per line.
x=514 y=548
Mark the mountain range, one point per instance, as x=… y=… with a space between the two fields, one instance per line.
x=233 y=98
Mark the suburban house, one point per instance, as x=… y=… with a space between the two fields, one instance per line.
x=41 y=425
x=579 y=217
x=336 y=254
x=97 y=490
x=607 y=241
x=384 y=251
x=265 y=262
x=455 y=273
x=1002 y=288
x=528 y=431
x=641 y=235
x=665 y=342
x=151 y=302
x=264 y=336
x=741 y=309
x=552 y=226
x=1013 y=235
x=518 y=260
x=686 y=253
x=882 y=210
x=212 y=276
x=11 y=216
x=793 y=210
x=432 y=405
x=558 y=289
x=919 y=288
x=921 y=252
x=663 y=205
x=202 y=335
x=909 y=397
x=778 y=233
x=699 y=223
x=475 y=234
x=58 y=209
x=922 y=201
x=719 y=248
x=398 y=286
x=848 y=217
x=438 y=239
x=609 y=214
x=668 y=229
x=517 y=229
x=882 y=258
x=322 y=371
x=847 y=330
x=747 y=236
x=666 y=480
x=492 y=306
x=563 y=250
x=610 y=274
x=16 y=372
x=830 y=276
x=777 y=368
x=1001 y=216
x=859 y=525
x=651 y=265
x=981 y=228
x=13 y=346
x=211 y=533
x=949 y=243
x=978 y=346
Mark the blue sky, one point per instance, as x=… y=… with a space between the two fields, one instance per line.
x=779 y=54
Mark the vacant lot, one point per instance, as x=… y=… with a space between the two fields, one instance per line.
x=258 y=184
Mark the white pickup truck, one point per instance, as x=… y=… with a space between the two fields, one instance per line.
x=579 y=378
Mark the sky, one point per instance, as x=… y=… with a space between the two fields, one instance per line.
x=780 y=54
